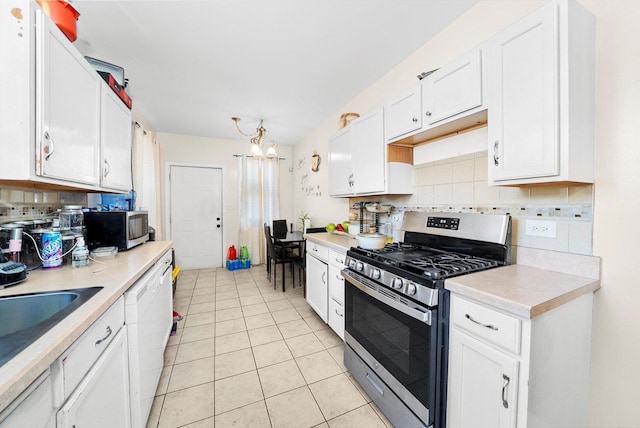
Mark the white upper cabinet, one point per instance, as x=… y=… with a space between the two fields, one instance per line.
x=541 y=100
x=358 y=161
x=368 y=156
x=116 y=142
x=68 y=108
x=58 y=118
x=453 y=89
x=403 y=113
x=340 y=172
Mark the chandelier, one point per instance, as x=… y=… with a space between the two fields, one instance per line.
x=257 y=139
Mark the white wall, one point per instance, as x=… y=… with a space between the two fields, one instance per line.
x=215 y=152
x=616 y=335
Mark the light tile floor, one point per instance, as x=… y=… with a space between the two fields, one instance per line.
x=246 y=355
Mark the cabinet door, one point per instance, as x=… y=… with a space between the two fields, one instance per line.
x=483 y=384
x=33 y=408
x=116 y=142
x=453 y=89
x=368 y=156
x=403 y=113
x=102 y=398
x=340 y=172
x=68 y=103
x=523 y=106
x=317 y=287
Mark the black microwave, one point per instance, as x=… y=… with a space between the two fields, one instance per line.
x=121 y=229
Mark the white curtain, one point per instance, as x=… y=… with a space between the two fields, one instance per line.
x=259 y=203
x=146 y=176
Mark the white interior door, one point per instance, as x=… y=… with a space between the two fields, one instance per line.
x=195 y=215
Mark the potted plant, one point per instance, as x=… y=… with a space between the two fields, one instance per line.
x=305 y=221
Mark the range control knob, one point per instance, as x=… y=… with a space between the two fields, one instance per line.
x=375 y=274
x=359 y=266
x=411 y=289
x=352 y=264
x=396 y=283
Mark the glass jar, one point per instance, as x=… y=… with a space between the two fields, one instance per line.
x=71 y=218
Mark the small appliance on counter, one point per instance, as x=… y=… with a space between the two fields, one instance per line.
x=12 y=270
x=121 y=229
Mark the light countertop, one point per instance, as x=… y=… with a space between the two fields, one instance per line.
x=522 y=290
x=519 y=289
x=121 y=273
x=337 y=241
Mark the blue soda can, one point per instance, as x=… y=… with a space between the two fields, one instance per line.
x=51 y=249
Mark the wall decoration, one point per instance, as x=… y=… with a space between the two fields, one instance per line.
x=315 y=162
x=307 y=185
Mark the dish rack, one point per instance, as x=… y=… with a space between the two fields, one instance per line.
x=372 y=209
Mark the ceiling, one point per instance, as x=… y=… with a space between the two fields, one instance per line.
x=192 y=65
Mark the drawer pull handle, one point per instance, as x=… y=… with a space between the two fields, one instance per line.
x=339 y=314
x=375 y=385
x=339 y=278
x=323 y=276
x=339 y=260
x=99 y=341
x=490 y=326
x=506 y=379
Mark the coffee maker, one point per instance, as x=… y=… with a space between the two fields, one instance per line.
x=12 y=270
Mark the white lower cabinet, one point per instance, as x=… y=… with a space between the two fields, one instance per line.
x=92 y=376
x=482 y=384
x=102 y=398
x=325 y=285
x=336 y=292
x=316 y=272
x=33 y=408
x=508 y=371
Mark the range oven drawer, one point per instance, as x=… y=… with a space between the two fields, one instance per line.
x=392 y=407
x=495 y=327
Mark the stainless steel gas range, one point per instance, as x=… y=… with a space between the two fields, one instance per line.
x=397 y=310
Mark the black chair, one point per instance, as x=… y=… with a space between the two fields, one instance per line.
x=279 y=228
x=301 y=264
x=278 y=255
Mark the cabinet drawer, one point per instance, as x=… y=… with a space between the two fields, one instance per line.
x=76 y=361
x=337 y=258
x=336 y=318
x=488 y=324
x=318 y=251
x=336 y=284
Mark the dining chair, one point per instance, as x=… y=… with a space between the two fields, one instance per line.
x=278 y=255
x=301 y=264
x=279 y=228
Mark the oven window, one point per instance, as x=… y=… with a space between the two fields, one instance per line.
x=405 y=346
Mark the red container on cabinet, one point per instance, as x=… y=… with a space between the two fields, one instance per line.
x=63 y=14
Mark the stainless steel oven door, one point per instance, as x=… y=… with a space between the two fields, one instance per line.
x=397 y=338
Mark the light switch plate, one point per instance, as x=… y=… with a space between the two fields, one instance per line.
x=542 y=228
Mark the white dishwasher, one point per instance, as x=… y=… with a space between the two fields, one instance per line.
x=149 y=317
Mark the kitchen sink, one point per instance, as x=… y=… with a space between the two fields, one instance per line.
x=26 y=317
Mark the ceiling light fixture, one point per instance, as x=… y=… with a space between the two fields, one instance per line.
x=257 y=139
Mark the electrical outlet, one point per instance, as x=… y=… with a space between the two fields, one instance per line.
x=543 y=228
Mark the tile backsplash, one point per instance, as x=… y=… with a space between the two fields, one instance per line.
x=459 y=184
x=27 y=204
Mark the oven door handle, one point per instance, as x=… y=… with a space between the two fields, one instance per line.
x=424 y=316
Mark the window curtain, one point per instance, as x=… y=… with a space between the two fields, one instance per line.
x=146 y=176
x=259 y=203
